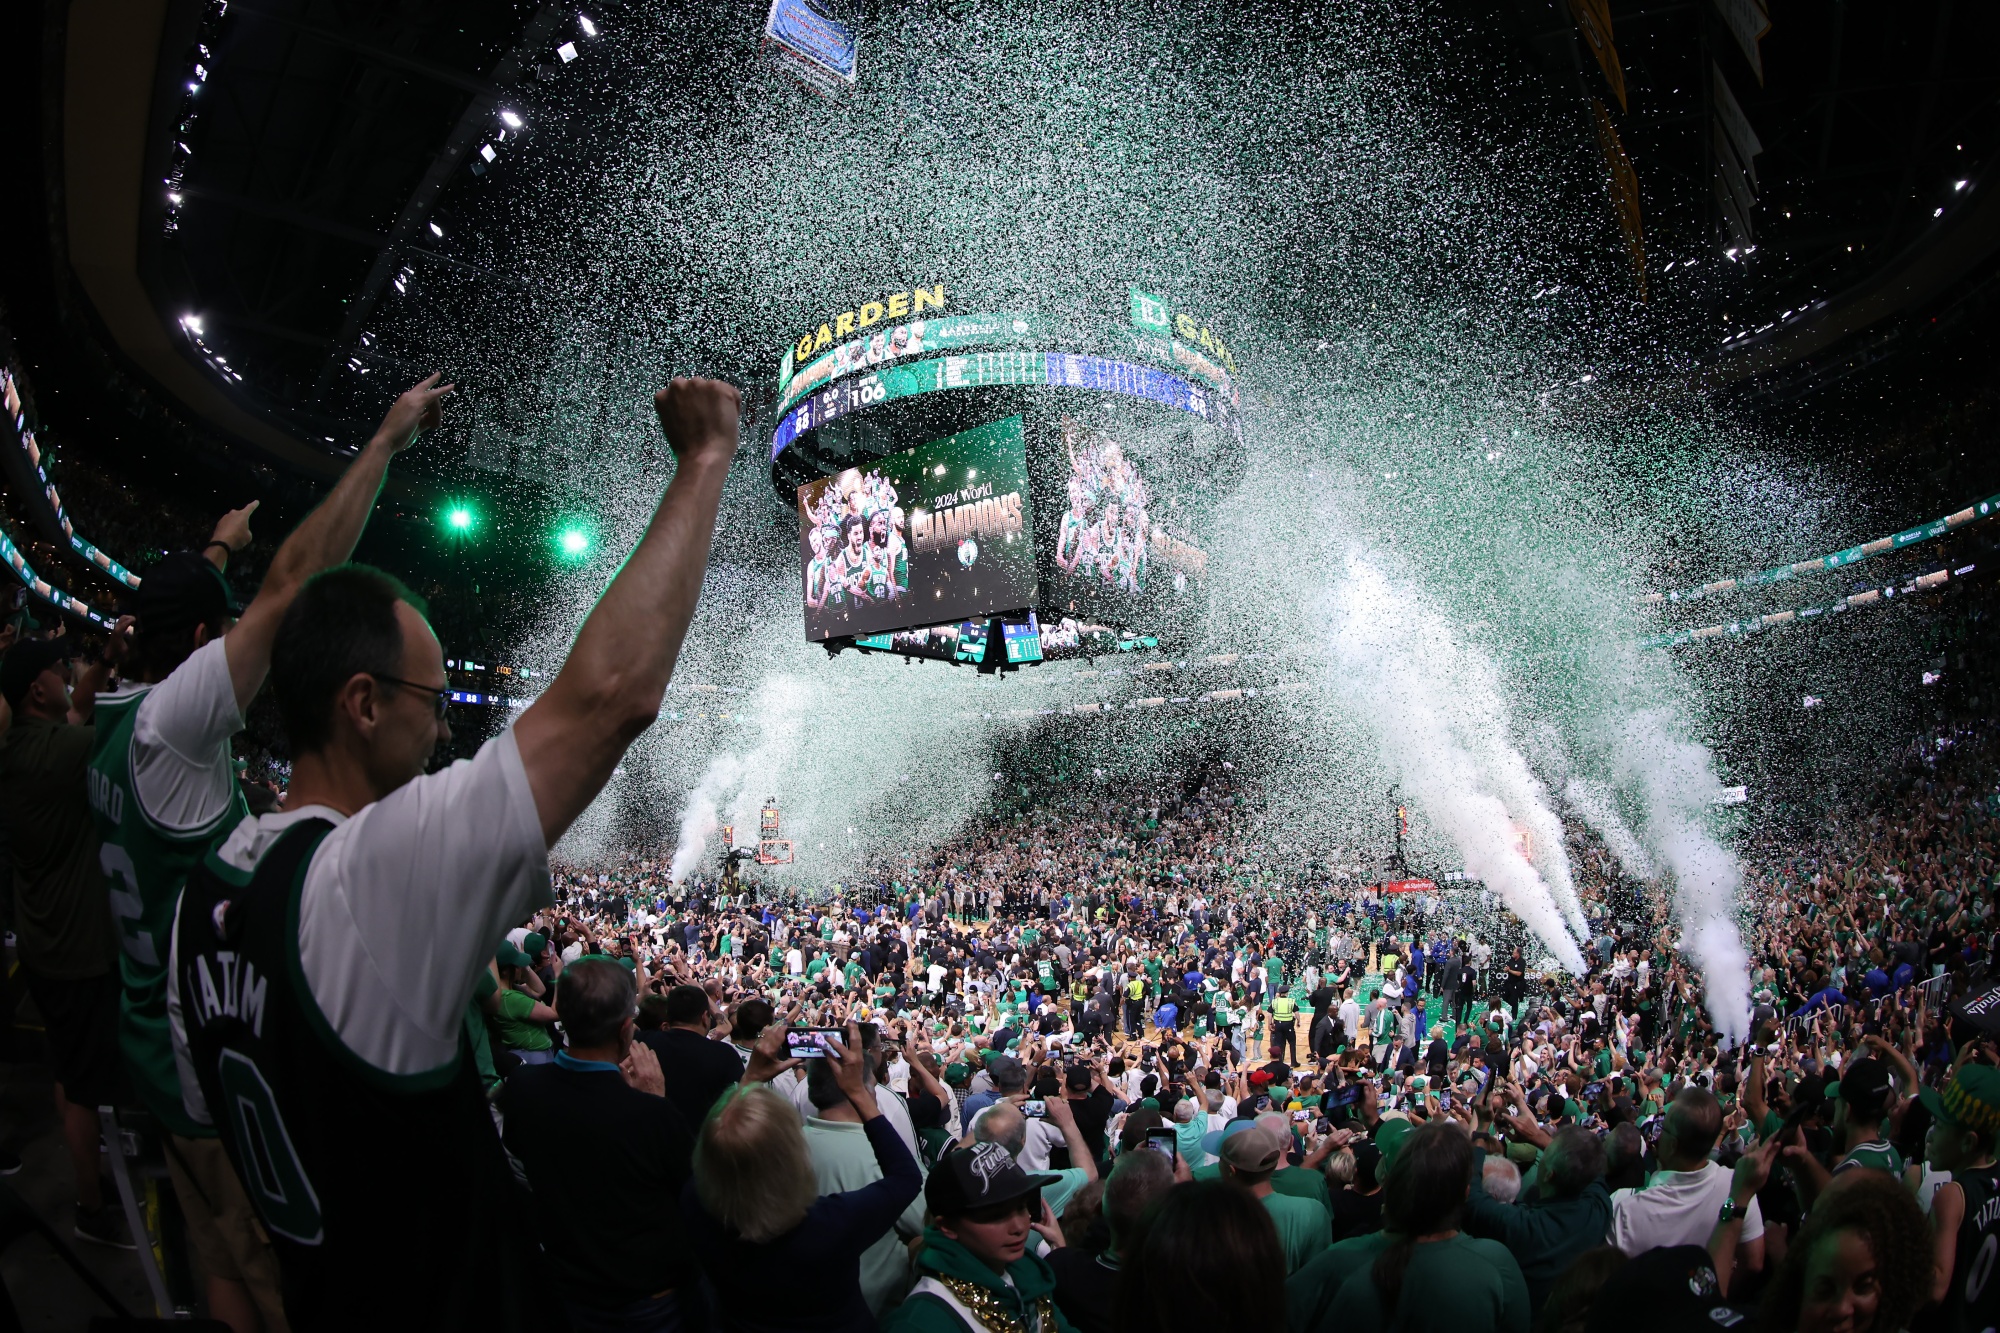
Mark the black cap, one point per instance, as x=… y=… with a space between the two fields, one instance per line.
x=25 y=661
x=181 y=591
x=1668 y=1289
x=981 y=1176
x=1864 y=1082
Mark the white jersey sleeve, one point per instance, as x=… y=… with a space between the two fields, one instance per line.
x=406 y=902
x=180 y=744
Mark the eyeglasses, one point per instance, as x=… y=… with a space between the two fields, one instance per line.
x=441 y=694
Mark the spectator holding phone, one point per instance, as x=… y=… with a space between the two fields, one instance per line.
x=790 y=1256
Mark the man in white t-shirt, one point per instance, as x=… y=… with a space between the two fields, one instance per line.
x=164 y=790
x=325 y=956
x=1683 y=1201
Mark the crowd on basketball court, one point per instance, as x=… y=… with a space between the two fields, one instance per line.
x=1099 y=1063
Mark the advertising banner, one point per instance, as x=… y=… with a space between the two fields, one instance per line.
x=941 y=532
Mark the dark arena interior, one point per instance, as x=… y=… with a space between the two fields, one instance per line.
x=831 y=664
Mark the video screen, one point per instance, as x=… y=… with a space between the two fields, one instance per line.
x=1022 y=640
x=943 y=532
x=1117 y=554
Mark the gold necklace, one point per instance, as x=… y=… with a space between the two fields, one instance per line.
x=985 y=1306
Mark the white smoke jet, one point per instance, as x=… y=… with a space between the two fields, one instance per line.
x=700 y=818
x=1401 y=666
x=1676 y=783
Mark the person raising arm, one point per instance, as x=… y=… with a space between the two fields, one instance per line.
x=163 y=790
x=366 y=907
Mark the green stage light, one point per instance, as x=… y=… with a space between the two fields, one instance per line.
x=459 y=519
x=573 y=542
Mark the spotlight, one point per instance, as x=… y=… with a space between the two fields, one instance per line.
x=460 y=520
x=573 y=542
x=589 y=28
x=437 y=231
x=510 y=120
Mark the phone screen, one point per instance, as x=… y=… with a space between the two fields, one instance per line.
x=1034 y=1108
x=809 y=1043
x=1163 y=1142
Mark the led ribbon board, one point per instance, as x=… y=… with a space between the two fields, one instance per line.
x=910 y=340
x=45 y=590
x=1064 y=370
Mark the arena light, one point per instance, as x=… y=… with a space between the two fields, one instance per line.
x=460 y=518
x=510 y=120
x=589 y=28
x=573 y=541
x=437 y=231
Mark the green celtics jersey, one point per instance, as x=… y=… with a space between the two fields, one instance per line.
x=145 y=867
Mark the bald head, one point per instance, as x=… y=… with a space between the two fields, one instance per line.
x=1001 y=1123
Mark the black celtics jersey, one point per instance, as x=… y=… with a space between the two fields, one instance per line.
x=387 y=1197
x=1973 y=1303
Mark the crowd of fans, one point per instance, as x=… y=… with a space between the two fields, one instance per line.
x=1105 y=1061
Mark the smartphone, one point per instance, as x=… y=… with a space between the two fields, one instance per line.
x=1302 y=1116
x=1444 y=1099
x=810 y=1043
x=1034 y=1108
x=1346 y=1095
x=1163 y=1142
x=1591 y=1091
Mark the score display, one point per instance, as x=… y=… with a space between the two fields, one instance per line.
x=943 y=532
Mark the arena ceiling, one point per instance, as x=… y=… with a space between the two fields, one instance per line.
x=287 y=171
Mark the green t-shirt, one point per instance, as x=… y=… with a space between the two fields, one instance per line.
x=517 y=1033
x=1459 y=1285
x=815 y=967
x=1301 y=1183
x=1274 y=971
x=1304 y=1228
x=850 y=974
